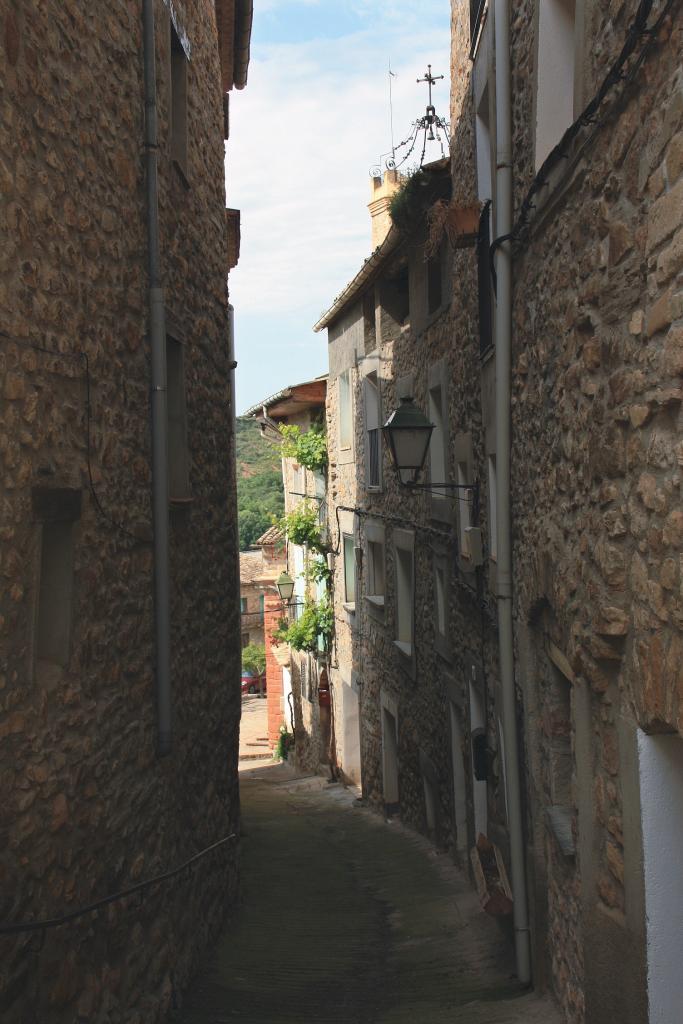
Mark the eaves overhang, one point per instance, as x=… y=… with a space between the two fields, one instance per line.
x=290 y=400
x=367 y=273
x=234 y=20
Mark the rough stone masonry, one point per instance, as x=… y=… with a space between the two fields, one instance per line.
x=86 y=807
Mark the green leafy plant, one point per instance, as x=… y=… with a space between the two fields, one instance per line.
x=410 y=204
x=317 y=571
x=309 y=449
x=302 y=526
x=254 y=659
x=279 y=634
x=284 y=744
x=314 y=625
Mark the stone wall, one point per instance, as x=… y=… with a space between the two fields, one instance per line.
x=596 y=494
x=86 y=807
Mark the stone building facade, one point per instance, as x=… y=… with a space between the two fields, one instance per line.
x=251 y=597
x=415 y=675
x=597 y=253
x=87 y=807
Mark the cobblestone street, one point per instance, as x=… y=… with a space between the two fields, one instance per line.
x=345 y=917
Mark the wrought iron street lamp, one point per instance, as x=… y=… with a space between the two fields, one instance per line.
x=407 y=433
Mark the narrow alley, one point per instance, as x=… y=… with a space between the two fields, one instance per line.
x=344 y=916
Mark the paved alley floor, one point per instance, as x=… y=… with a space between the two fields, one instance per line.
x=347 y=918
x=254 y=729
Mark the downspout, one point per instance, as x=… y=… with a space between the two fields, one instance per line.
x=503 y=336
x=157 y=337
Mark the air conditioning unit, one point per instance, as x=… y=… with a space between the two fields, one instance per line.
x=474 y=545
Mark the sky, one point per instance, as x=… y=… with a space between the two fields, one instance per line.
x=304 y=134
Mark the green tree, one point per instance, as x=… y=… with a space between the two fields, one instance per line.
x=254 y=659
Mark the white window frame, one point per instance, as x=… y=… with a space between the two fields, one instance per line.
x=439 y=446
x=556 y=73
x=375 y=540
x=464 y=524
x=372 y=408
x=404 y=590
x=349 y=552
x=345 y=399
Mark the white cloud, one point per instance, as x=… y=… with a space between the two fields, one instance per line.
x=304 y=135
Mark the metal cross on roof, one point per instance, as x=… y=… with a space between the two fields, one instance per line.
x=430 y=79
x=431 y=125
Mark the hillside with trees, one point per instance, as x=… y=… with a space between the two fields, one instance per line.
x=259 y=482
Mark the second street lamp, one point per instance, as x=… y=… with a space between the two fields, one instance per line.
x=285 y=586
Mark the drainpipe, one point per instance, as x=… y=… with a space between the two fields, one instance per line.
x=503 y=333
x=157 y=337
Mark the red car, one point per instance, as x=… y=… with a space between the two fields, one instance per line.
x=253 y=684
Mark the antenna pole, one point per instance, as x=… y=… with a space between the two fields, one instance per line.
x=391 y=112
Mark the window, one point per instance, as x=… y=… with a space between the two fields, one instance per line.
x=371 y=395
x=493 y=514
x=345 y=413
x=56 y=512
x=261 y=605
x=464 y=510
x=243 y=605
x=178 y=101
x=438 y=468
x=483 y=139
x=375 y=580
x=376 y=571
x=441 y=563
x=53 y=624
x=349 y=550
x=476 y=16
x=434 y=291
x=178 y=455
x=298 y=479
x=405 y=591
x=440 y=602
x=555 y=79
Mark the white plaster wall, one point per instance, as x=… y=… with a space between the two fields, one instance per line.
x=661 y=799
x=350 y=760
x=286 y=691
x=555 y=85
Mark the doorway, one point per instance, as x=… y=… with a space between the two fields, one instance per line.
x=390 y=760
x=459 y=779
x=479 y=788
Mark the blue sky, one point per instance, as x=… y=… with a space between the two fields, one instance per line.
x=303 y=135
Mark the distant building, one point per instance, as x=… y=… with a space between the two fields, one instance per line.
x=300 y=405
x=251 y=597
x=118 y=724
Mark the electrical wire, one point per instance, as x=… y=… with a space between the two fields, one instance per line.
x=91 y=908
